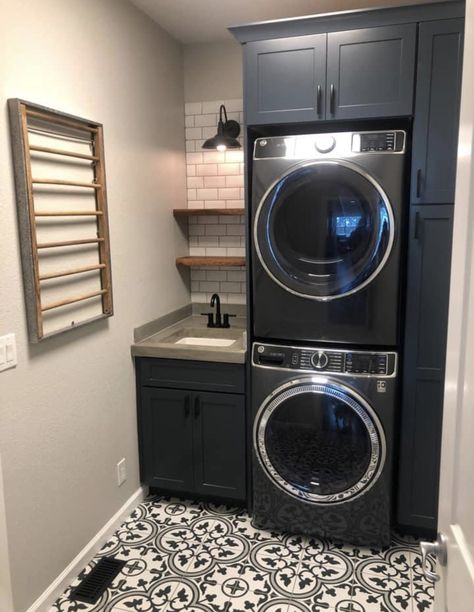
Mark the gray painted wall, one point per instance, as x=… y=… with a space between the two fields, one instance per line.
x=212 y=71
x=68 y=409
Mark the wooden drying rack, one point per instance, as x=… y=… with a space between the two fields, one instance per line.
x=21 y=115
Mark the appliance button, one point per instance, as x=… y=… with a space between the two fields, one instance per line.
x=325 y=143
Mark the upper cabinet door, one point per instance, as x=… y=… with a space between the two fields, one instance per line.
x=285 y=80
x=371 y=72
x=435 y=130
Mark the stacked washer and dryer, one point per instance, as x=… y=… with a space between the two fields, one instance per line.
x=327 y=219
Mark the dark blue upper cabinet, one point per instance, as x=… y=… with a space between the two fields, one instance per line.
x=370 y=72
x=435 y=131
x=285 y=79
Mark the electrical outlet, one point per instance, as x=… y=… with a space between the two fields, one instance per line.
x=121 y=472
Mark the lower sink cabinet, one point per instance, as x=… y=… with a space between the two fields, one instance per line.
x=193 y=442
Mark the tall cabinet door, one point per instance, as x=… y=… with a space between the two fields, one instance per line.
x=435 y=130
x=166 y=439
x=370 y=72
x=219 y=445
x=285 y=79
x=424 y=360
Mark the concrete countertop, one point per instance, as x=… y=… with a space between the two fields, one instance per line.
x=161 y=341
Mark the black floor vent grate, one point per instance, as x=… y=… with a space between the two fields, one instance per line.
x=97 y=580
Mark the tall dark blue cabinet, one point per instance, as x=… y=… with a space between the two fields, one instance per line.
x=341 y=71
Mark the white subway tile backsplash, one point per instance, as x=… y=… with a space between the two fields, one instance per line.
x=236 y=230
x=208 y=220
x=194 y=133
x=206 y=169
x=208 y=241
x=216 y=275
x=206 y=121
x=227 y=287
x=234 y=156
x=193 y=108
x=213 y=157
x=226 y=169
x=234 y=181
x=229 y=193
x=207 y=194
x=212 y=107
x=195 y=182
x=229 y=241
x=216 y=252
x=194 y=158
x=214 y=180
x=217 y=230
x=195 y=204
x=208 y=132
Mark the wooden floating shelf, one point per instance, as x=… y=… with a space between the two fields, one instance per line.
x=210 y=261
x=198 y=212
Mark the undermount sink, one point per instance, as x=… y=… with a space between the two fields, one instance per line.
x=195 y=341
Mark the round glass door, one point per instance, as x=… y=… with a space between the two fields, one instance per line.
x=324 y=230
x=320 y=442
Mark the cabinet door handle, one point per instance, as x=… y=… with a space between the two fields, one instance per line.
x=318 y=101
x=418 y=183
x=332 y=98
x=197 y=407
x=416 y=233
x=187 y=407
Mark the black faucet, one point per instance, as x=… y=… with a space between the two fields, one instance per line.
x=216 y=300
x=217 y=320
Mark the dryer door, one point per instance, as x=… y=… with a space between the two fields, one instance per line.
x=319 y=441
x=324 y=229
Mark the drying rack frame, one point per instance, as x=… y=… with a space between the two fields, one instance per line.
x=19 y=111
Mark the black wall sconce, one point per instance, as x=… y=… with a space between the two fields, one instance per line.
x=227 y=132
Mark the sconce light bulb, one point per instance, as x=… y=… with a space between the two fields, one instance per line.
x=221 y=147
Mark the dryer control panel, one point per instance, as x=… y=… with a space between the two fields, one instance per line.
x=306 y=359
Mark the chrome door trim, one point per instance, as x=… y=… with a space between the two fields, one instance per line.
x=350 y=397
x=385 y=199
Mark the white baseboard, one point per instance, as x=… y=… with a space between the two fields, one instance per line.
x=59 y=585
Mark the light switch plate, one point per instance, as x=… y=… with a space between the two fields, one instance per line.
x=8 y=358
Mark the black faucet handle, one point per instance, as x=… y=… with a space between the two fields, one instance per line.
x=226 y=322
x=210 y=318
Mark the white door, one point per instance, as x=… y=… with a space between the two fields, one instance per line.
x=455 y=590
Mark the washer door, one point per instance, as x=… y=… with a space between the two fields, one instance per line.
x=319 y=441
x=324 y=229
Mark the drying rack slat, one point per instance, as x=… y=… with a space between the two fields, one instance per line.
x=25 y=119
x=68 y=213
x=72 y=300
x=53 y=118
x=80 y=270
x=47 y=181
x=54 y=151
x=66 y=243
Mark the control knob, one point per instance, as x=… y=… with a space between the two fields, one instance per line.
x=319 y=360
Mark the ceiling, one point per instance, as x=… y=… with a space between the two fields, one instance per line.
x=194 y=21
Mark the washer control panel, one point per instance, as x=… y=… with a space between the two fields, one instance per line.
x=351 y=363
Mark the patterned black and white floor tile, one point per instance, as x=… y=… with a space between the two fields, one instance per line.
x=197 y=557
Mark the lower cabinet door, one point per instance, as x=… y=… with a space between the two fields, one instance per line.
x=166 y=439
x=429 y=256
x=219 y=445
